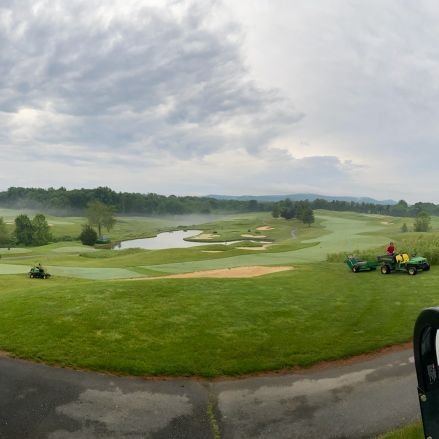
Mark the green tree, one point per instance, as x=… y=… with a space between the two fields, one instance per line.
x=253 y=206
x=100 y=215
x=422 y=222
x=23 y=230
x=400 y=209
x=276 y=211
x=88 y=235
x=41 y=231
x=307 y=216
x=288 y=212
x=404 y=228
x=287 y=209
x=4 y=235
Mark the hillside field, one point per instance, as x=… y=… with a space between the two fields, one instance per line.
x=90 y=314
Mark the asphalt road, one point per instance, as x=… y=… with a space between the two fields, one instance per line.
x=354 y=401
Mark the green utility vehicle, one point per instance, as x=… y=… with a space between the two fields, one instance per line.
x=357 y=265
x=403 y=262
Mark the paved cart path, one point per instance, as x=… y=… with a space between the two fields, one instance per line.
x=359 y=400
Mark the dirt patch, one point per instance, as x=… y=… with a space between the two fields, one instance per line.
x=221 y=273
x=264 y=228
x=386 y=223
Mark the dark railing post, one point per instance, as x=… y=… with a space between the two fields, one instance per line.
x=427 y=371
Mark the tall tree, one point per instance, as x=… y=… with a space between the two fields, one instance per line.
x=23 y=230
x=276 y=211
x=100 y=215
x=4 y=235
x=41 y=230
x=422 y=222
x=307 y=216
x=400 y=209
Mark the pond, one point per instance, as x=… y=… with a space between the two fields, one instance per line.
x=173 y=239
x=163 y=240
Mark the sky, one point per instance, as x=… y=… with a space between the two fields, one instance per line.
x=196 y=97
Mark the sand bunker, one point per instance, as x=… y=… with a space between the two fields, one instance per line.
x=252 y=248
x=264 y=228
x=247 y=235
x=222 y=273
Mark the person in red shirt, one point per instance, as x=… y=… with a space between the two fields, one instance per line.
x=390 y=248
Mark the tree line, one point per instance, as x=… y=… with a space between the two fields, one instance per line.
x=401 y=208
x=75 y=201
x=65 y=201
x=288 y=209
x=36 y=231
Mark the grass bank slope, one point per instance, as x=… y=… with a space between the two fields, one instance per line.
x=211 y=327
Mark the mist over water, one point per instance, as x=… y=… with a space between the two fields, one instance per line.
x=192 y=218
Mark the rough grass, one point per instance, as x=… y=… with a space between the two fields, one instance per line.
x=421 y=244
x=211 y=327
x=412 y=431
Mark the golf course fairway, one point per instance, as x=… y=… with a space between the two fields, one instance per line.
x=339 y=234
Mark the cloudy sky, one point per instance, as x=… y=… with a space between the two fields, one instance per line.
x=335 y=97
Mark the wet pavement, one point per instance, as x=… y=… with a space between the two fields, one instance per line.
x=359 y=400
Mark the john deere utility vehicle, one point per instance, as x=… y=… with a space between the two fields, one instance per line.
x=403 y=262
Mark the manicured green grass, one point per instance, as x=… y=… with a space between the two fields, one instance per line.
x=412 y=431
x=211 y=327
x=65 y=254
x=339 y=234
x=310 y=244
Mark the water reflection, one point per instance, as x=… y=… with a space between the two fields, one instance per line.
x=173 y=239
x=163 y=240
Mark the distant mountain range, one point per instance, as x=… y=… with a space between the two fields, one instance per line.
x=301 y=197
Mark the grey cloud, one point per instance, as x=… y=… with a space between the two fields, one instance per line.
x=146 y=78
x=317 y=171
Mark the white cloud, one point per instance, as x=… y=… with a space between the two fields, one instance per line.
x=220 y=96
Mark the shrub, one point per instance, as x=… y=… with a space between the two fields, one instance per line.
x=88 y=235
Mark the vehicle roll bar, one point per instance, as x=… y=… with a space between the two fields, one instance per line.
x=427 y=369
